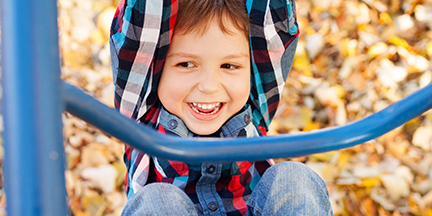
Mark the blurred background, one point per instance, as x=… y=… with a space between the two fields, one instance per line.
x=354 y=58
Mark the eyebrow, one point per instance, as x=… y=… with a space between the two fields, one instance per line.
x=239 y=55
x=182 y=54
x=189 y=55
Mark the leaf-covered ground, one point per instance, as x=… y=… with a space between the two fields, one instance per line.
x=354 y=58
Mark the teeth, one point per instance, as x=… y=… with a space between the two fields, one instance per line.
x=215 y=106
x=206 y=106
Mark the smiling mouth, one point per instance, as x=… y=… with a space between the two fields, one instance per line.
x=206 y=108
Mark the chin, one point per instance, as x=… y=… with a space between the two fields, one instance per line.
x=203 y=130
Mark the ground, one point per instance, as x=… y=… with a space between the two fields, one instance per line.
x=354 y=58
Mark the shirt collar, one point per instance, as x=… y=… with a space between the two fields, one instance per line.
x=238 y=122
x=241 y=120
x=173 y=124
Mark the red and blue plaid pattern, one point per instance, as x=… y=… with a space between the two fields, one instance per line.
x=273 y=26
x=234 y=186
x=140 y=36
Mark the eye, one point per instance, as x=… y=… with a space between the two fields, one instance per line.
x=185 y=64
x=229 y=66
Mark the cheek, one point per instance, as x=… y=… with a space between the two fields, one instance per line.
x=172 y=91
x=245 y=91
x=166 y=89
x=246 y=83
x=239 y=89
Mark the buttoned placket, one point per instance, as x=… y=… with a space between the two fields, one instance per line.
x=208 y=197
x=210 y=201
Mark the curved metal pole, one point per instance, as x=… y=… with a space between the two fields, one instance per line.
x=216 y=149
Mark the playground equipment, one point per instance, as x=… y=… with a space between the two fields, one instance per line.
x=34 y=98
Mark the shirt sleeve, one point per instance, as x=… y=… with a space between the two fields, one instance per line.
x=138 y=167
x=140 y=34
x=273 y=39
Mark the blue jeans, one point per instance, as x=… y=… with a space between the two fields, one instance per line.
x=288 y=188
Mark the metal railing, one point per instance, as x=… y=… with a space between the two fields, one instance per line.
x=34 y=98
x=218 y=149
x=32 y=106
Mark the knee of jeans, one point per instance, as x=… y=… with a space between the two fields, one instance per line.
x=156 y=191
x=159 y=189
x=291 y=169
x=288 y=168
x=297 y=184
x=155 y=198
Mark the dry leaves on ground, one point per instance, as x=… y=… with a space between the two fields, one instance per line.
x=354 y=58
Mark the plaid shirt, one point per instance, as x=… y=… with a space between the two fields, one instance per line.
x=225 y=185
x=140 y=36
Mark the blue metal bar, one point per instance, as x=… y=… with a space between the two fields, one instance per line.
x=215 y=149
x=34 y=161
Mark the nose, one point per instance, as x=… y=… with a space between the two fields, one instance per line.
x=209 y=81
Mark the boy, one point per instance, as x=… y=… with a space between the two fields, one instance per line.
x=211 y=68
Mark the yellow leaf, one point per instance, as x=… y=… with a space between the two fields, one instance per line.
x=309 y=30
x=333 y=39
x=75 y=59
x=312 y=126
x=94 y=204
x=377 y=49
x=428 y=212
x=340 y=91
x=368 y=182
x=366 y=28
x=120 y=167
x=348 y=47
x=384 y=17
x=412 y=122
x=326 y=156
x=398 y=41
x=330 y=172
x=302 y=64
x=343 y=159
x=97 y=37
x=429 y=49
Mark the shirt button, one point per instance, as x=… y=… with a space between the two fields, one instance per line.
x=213 y=206
x=247 y=119
x=211 y=169
x=172 y=124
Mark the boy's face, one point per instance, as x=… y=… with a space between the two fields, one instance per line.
x=206 y=78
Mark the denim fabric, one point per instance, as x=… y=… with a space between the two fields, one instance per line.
x=235 y=177
x=288 y=188
x=159 y=199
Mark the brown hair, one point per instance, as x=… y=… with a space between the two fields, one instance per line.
x=196 y=15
